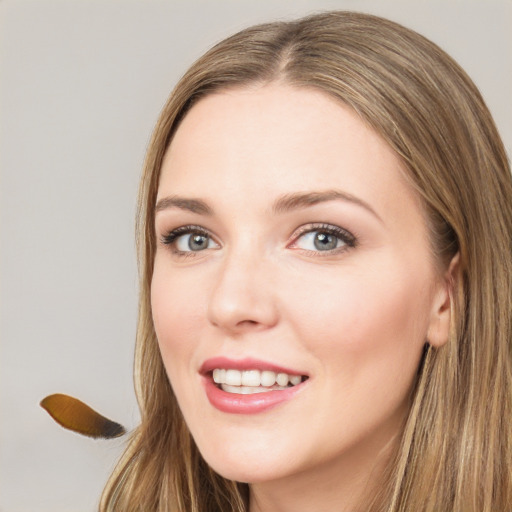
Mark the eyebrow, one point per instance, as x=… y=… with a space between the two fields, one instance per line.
x=183 y=203
x=283 y=204
x=299 y=200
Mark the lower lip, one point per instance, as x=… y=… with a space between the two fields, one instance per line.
x=247 y=404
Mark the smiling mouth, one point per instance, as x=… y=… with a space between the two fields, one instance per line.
x=246 y=382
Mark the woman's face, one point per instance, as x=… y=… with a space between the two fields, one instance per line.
x=289 y=243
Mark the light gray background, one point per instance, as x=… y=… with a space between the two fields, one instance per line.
x=81 y=85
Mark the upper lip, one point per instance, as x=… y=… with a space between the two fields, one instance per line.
x=247 y=363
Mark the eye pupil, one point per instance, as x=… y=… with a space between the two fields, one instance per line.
x=197 y=242
x=325 y=241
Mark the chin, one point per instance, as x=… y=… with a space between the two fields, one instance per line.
x=247 y=465
x=245 y=473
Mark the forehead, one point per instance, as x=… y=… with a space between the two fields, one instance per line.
x=263 y=141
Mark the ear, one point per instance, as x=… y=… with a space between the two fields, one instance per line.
x=442 y=307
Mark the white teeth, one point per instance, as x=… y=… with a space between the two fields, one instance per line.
x=249 y=390
x=295 y=379
x=282 y=379
x=219 y=375
x=251 y=378
x=254 y=379
x=233 y=378
x=268 y=378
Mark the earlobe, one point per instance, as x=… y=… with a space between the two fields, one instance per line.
x=443 y=306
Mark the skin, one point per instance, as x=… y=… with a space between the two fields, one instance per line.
x=353 y=319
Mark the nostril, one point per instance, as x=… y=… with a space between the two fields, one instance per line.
x=248 y=322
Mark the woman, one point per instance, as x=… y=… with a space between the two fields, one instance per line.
x=324 y=232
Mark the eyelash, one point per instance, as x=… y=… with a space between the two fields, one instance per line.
x=170 y=238
x=348 y=239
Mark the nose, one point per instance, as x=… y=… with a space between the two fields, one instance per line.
x=243 y=298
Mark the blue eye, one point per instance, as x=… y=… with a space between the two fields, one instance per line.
x=324 y=238
x=193 y=242
x=189 y=239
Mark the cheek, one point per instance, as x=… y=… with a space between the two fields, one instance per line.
x=178 y=314
x=366 y=328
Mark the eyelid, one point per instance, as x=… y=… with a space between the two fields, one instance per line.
x=172 y=235
x=343 y=234
x=349 y=240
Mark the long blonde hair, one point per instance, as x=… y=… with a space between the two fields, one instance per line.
x=455 y=451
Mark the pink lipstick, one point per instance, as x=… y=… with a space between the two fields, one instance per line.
x=249 y=386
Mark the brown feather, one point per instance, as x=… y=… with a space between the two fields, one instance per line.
x=74 y=415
